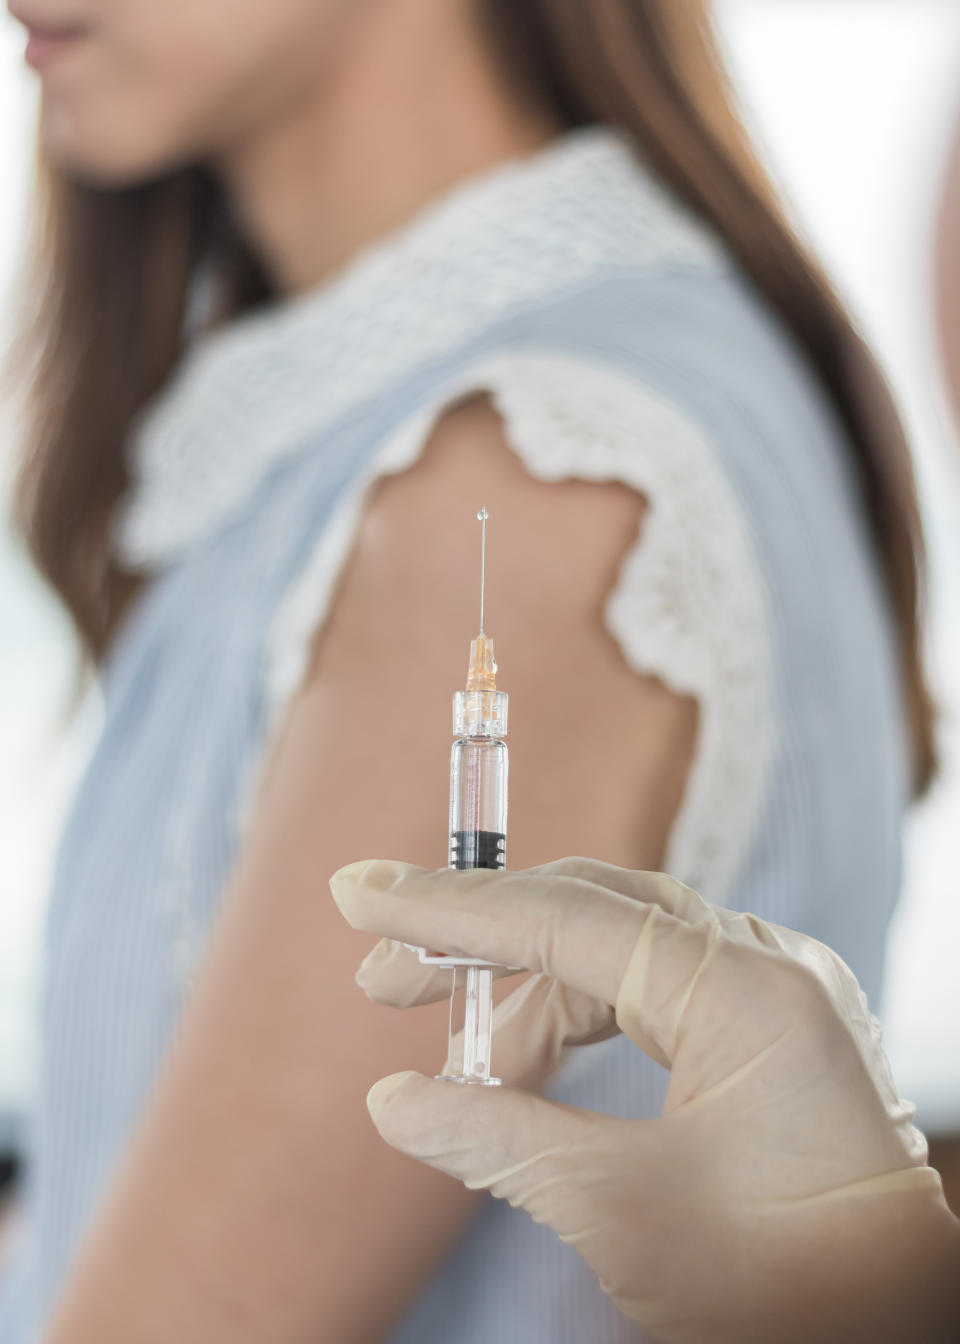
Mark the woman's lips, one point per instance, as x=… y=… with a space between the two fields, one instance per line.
x=45 y=45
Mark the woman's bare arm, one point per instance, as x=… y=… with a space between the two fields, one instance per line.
x=258 y=1202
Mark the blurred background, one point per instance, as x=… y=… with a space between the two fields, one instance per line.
x=852 y=102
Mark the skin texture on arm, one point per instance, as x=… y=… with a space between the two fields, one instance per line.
x=258 y=1202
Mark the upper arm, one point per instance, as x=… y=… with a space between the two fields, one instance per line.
x=259 y=1201
x=598 y=753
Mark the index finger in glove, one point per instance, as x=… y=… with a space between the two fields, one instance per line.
x=545 y=919
x=393 y=974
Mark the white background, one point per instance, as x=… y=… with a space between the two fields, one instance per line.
x=851 y=101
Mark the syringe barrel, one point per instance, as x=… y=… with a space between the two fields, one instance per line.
x=478 y=803
x=478 y=839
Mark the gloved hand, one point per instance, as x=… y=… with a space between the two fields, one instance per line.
x=783 y=1193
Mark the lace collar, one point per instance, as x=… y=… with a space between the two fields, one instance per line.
x=251 y=393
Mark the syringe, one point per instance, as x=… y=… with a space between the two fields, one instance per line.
x=478 y=829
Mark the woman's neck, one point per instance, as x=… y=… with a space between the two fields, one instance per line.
x=413 y=105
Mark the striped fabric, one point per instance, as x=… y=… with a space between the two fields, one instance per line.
x=158 y=819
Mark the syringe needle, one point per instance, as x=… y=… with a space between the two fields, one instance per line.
x=482 y=516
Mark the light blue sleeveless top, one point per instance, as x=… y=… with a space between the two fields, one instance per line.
x=618 y=342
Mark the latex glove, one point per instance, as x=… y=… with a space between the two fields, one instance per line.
x=783 y=1193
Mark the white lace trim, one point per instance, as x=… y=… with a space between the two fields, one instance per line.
x=263 y=387
x=689 y=606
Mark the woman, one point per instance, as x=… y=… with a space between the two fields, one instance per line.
x=323 y=278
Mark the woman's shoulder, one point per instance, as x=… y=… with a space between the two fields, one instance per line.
x=701 y=334
x=701 y=376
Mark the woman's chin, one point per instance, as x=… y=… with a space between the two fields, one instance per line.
x=111 y=158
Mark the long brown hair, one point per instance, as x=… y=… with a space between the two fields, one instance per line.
x=116 y=268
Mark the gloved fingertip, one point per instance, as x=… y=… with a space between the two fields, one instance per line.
x=379 y=874
x=373 y=959
x=379 y=1096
